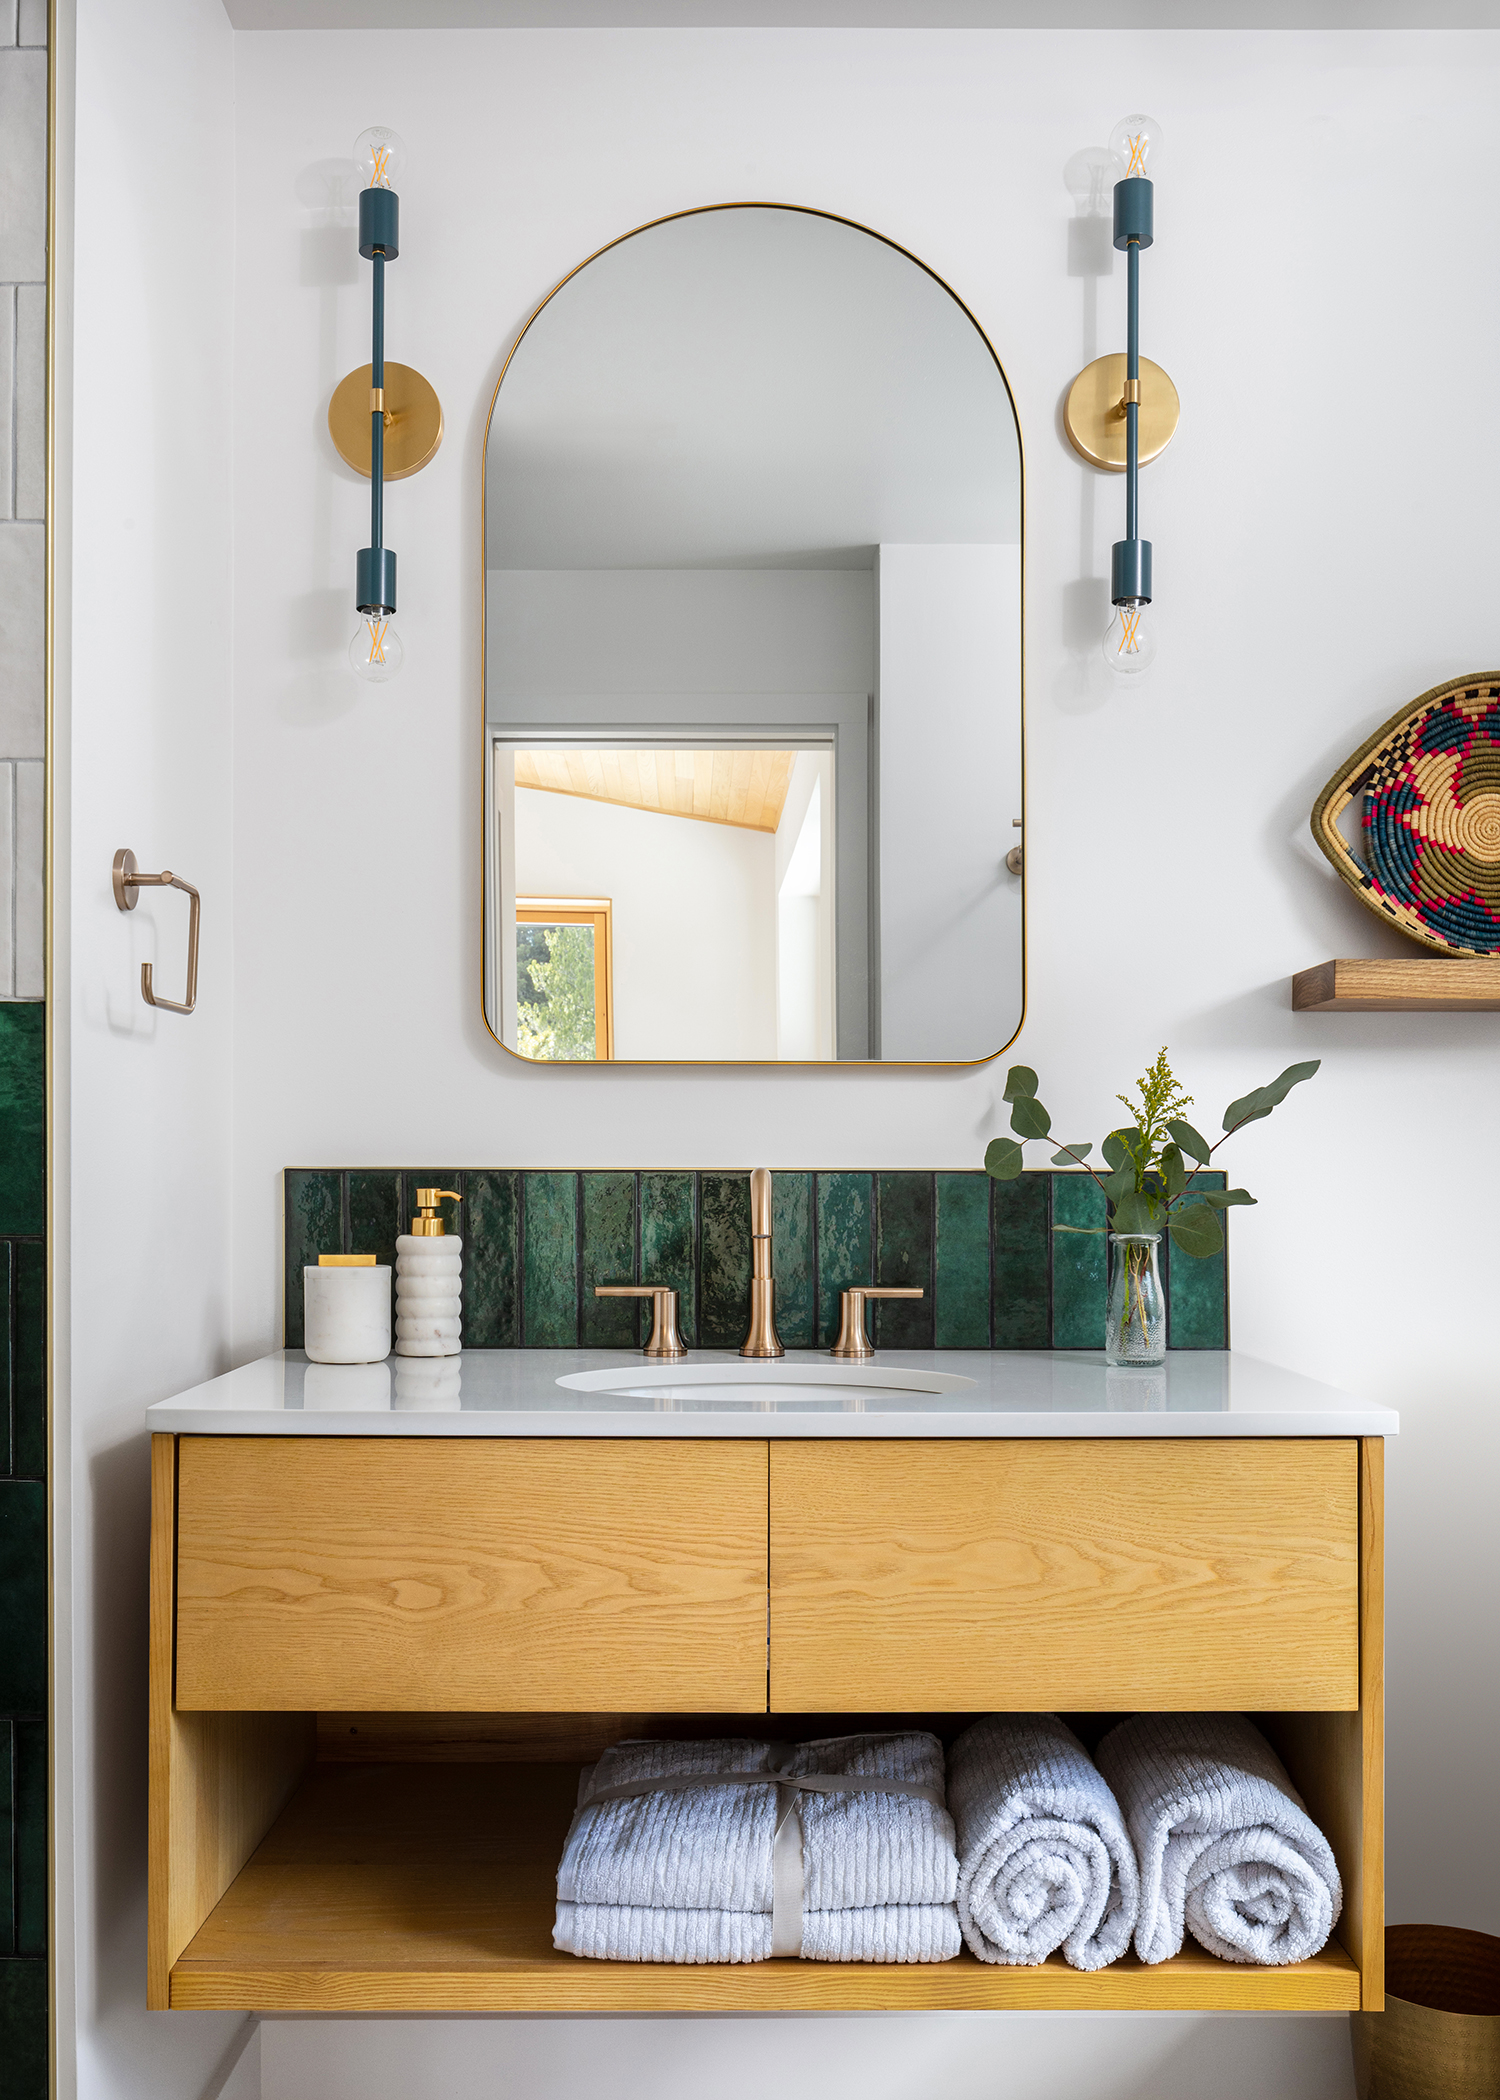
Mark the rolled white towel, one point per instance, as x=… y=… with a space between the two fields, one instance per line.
x=1225 y=1848
x=1044 y=1860
x=691 y=1875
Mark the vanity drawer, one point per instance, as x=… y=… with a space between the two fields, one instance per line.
x=456 y=1574
x=1044 y=1574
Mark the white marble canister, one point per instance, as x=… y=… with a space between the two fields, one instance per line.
x=347 y=1314
x=429 y=1295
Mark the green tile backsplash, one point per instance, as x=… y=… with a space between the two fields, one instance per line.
x=994 y=1272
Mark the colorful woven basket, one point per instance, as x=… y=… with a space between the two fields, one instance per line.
x=1431 y=836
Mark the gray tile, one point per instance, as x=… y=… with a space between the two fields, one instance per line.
x=31 y=401
x=22 y=631
x=7 y=881
x=7 y=386
x=31 y=23
x=23 y=167
x=30 y=881
x=7 y=21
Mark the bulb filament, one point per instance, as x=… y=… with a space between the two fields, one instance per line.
x=1139 y=146
x=381 y=159
x=377 y=640
x=1130 y=620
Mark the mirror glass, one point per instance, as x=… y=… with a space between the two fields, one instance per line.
x=752 y=658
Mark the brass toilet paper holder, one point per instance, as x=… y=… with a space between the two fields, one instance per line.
x=128 y=884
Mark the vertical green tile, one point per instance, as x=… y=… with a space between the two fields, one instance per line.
x=962 y=1312
x=492 y=1270
x=1023 y=1266
x=7 y=1366
x=724 y=1260
x=23 y=2029
x=1080 y=1264
x=846 y=1244
x=29 y=1360
x=7 y=1838
x=904 y=1235
x=792 y=1239
x=1196 y=1293
x=30 y=1738
x=314 y=1226
x=23 y=1116
x=608 y=1256
x=669 y=1242
x=23 y=1587
x=375 y=1212
x=550 y=1261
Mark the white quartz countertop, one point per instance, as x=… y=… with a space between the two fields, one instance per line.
x=913 y=1393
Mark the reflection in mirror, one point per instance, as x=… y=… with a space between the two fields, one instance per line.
x=753 y=658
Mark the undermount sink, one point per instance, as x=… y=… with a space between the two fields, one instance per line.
x=766 y=1382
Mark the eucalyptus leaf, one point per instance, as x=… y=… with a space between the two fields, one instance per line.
x=1088 y=1231
x=1121 y=1182
x=1028 y=1118
x=1225 y=1199
x=1173 y=1172
x=1133 y=1214
x=1118 y=1147
x=1020 y=1083
x=1193 y=1145
x=1262 y=1099
x=1196 y=1231
x=1071 y=1155
x=1003 y=1159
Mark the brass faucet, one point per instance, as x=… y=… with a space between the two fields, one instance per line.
x=762 y=1340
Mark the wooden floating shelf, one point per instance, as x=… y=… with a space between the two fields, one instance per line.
x=430 y=1888
x=1400 y=984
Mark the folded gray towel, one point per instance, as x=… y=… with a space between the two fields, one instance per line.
x=1225 y=1847
x=1044 y=1860
x=690 y=1872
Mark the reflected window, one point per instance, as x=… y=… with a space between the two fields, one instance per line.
x=564 y=979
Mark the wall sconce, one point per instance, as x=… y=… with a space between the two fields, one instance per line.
x=1122 y=411
x=384 y=418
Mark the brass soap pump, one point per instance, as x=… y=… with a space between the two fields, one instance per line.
x=429 y=1282
x=428 y=1224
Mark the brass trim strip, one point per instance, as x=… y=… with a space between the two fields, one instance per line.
x=56 y=1474
x=736 y=1064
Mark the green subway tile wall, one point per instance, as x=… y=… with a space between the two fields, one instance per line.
x=23 y=1551
x=996 y=1273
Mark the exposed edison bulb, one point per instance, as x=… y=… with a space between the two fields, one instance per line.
x=1090 y=178
x=375 y=651
x=1137 y=141
x=380 y=155
x=1130 y=639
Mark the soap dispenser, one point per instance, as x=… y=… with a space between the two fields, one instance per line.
x=429 y=1282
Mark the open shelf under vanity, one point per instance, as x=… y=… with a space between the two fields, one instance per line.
x=430 y=1887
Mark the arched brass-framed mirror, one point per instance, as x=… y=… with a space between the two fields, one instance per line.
x=753 y=705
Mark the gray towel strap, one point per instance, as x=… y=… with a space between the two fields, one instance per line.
x=787 y=1850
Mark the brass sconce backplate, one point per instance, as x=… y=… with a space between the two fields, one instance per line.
x=413 y=420
x=1094 y=414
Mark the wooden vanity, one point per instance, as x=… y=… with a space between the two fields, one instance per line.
x=381 y=1647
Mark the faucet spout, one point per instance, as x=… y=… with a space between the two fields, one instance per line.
x=762 y=1340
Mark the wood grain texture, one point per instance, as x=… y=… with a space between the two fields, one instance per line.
x=431 y=1888
x=537 y=1574
x=1337 y=1760
x=1032 y=1574
x=1397 y=984
x=216 y=1781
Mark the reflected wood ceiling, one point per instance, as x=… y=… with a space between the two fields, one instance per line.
x=744 y=788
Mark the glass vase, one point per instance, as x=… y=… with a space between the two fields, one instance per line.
x=1135 y=1326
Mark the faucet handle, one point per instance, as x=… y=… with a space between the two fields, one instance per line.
x=666 y=1340
x=853 y=1341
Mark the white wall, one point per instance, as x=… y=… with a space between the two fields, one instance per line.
x=144 y=1100
x=1290 y=237
x=950 y=911
x=694 y=919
